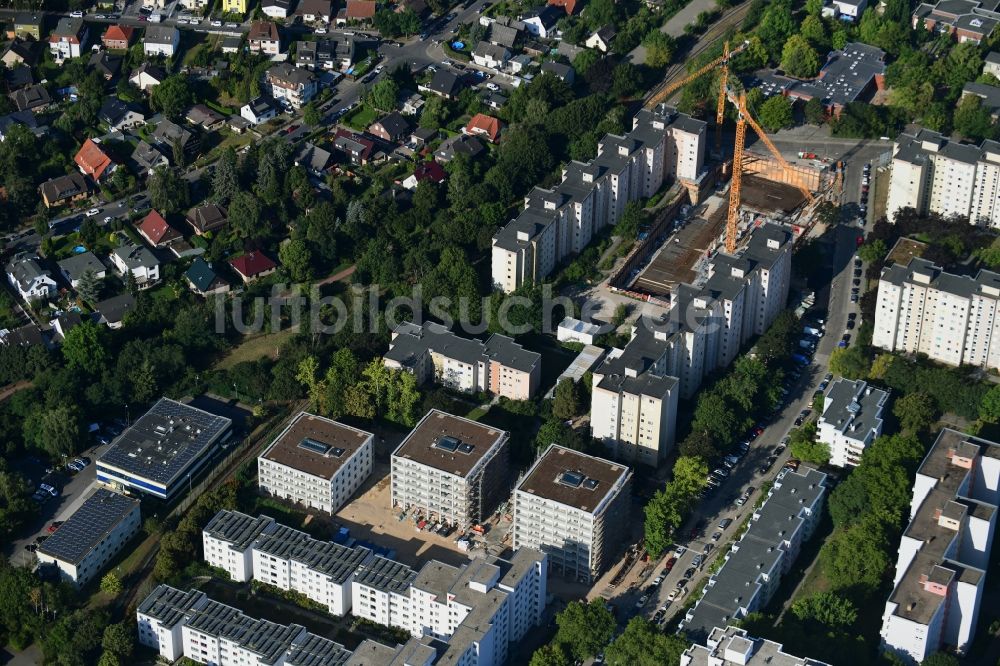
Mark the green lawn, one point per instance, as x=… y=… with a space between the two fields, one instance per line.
x=254 y=347
x=361 y=117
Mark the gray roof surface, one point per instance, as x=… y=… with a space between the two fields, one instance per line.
x=853 y=410
x=386 y=575
x=160 y=34
x=761 y=651
x=93 y=521
x=958 y=285
x=135 y=256
x=168 y=605
x=237 y=528
x=317 y=651
x=78 y=264
x=326 y=557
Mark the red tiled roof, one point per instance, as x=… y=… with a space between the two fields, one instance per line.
x=263 y=30
x=119 y=33
x=156 y=229
x=251 y=264
x=92 y=160
x=483 y=124
x=568 y=5
x=357 y=9
x=429 y=171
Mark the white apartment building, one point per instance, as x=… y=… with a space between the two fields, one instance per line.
x=380 y=592
x=160 y=617
x=68 y=38
x=227 y=542
x=294 y=85
x=433 y=353
x=755 y=565
x=851 y=420
x=663 y=145
x=933 y=174
x=731 y=645
x=573 y=507
x=952 y=319
x=945 y=551
x=636 y=389
x=316 y=462
x=93 y=536
x=451 y=470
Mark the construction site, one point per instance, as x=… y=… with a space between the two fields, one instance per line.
x=748 y=189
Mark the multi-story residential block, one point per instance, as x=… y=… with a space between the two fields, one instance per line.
x=316 y=462
x=380 y=592
x=731 y=646
x=851 y=420
x=70 y=188
x=228 y=541
x=945 y=551
x=335 y=53
x=68 y=39
x=573 y=507
x=163 y=449
x=91 y=537
x=663 y=145
x=295 y=85
x=953 y=319
x=433 y=353
x=28 y=25
x=753 y=569
x=451 y=469
x=635 y=390
x=264 y=38
x=932 y=174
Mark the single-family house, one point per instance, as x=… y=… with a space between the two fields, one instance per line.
x=93 y=161
x=118 y=37
x=207 y=119
x=69 y=39
x=412 y=103
x=264 y=38
x=293 y=86
x=503 y=35
x=231 y=44
x=542 y=22
x=147 y=76
x=24 y=118
x=194 y=5
x=520 y=63
x=161 y=40
x=253 y=265
x=106 y=64
x=65 y=189
x=31 y=98
x=356 y=11
x=112 y=311
x=276 y=9
x=313 y=159
x=568 y=6
x=29 y=279
x=148 y=158
x=238 y=124
x=601 y=39
x=156 y=231
x=168 y=135
x=431 y=171
x=75 y=267
x=483 y=125
x=315 y=11
x=358 y=149
x=234 y=6
x=851 y=10
x=560 y=70
x=130 y=257
x=63 y=324
x=443 y=84
x=494 y=100
x=17 y=77
x=490 y=56
x=20 y=52
x=22 y=336
x=203 y=280
x=460 y=144
x=421 y=136
x=393 y=127
x=119 y=115
x=206 y=218
x=258 y=111
x=28 y=25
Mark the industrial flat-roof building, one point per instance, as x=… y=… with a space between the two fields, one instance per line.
x=851 y=420
x=451 y=469
x=316 y=462
x=944 y=552
x=730 y=645
x=163 y=449
x=573 y=507
x=92 y=536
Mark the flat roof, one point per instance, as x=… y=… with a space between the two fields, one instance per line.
x=331 y=559
x=168 y=605
x=165 y=441
x=386 y=575
x=237 y=528
x=731 y=641
x=574 y=479
x=91 y=523
x=317 y=651
x=316 y=445
x=449 y=443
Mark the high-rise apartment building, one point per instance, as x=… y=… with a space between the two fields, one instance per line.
x=731 y=646
x=851 y=420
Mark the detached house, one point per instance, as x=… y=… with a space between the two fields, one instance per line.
x=569 y=6
x=156 y=231
x=253 y=265
x=460 y=144
x=120 y=116
x=118 y=37
x=201 y=116
x=276 y=8
x=491 y=56
x=313 y=159
x=393 y=128
x=356 y=11
x=294 y=85
x=444 y=84
x=161 y=40
x=149 y=158
x=75 y=267
x=258 y=111
x=264 y=38
x=64 y=189
x=68 y=39
x=203 y=280
x=29 y=279
x=234 y=6
x=485 y=126
x=355 y=147
x=93 y=161
x=169 y=134
x=559 y=70
x=431 y=171
x=542 y=22
x=31 y=98
x=315 y=11
x=19 y=52
x=137 y=260
x=28 y=25
x=106 y=64
x=147 y=76
x=204 y=219
x=601 y=40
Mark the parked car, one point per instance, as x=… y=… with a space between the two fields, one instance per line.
x=725 y=522
x=679 y=551
x=670 y=564
x=93 y=211
x=716 y=536
x=697 y=561
x=49 y=489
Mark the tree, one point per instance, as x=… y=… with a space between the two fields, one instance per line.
x=689 y=474
x=989 y=407
x=225 y=181
x=643 y=644
x=384 y=94
x=111 y=584
x=585 y=628
x=799 y=59
x=245 y=218
x=827 y=608
x=555 y=431
x=804 y=446
x=776 y=113
x=660 y=49
x=814 y=31
x=856 y=556
x=626 y=79
x=940 y=659
x=311 y=115
x=972 y=120
x=551 y=654
x=55 y=430
x=172 y=97
x=775 y=27
x=915 y=411
x=89 y=286
x=15 y=501
x=566 y=400
x=84 y=347
x=168 y=192
x=849 y=362
x=814 y=7
x=814 y=111
x=873 y=252
x=297 y=258
x=119 y=639
x=177 y=151
x=321 y=231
